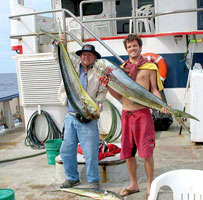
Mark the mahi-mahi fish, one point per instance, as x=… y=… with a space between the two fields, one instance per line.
x=78 y=97
x=94 y=193
x=124 y=85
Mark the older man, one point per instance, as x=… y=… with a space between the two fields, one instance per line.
x=85 y=133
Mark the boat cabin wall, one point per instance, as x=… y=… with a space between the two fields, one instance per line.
x=91 y=10
x=175 y=22
x=23 y=28
x=25 y=25
x=181 y=22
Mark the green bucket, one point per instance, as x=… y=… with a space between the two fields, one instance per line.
x=52 y=148
x=7 y=194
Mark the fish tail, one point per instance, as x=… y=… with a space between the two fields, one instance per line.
x=52 y=36
x=180 y=121
x=180 y=114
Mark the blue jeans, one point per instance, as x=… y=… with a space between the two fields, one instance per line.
x=88 y=137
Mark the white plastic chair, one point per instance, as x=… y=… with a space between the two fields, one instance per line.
x=186 y=184
x=151 y=11
x=147 y=23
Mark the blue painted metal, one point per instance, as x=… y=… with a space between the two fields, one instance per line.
x=200 y=15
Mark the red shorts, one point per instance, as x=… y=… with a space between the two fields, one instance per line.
x=138 y=133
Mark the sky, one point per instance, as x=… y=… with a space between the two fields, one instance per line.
x=7 y=64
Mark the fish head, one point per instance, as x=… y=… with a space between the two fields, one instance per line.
x=100 y=67
x=104 y=67
x=91 y=108
x=94 y=112
x=95 y=116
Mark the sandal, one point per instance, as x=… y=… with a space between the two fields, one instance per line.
x=127 y=192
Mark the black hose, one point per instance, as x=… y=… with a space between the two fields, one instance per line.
x=22 y=157
x=31 y=138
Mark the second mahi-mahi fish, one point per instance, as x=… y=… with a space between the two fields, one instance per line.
x=124 y=85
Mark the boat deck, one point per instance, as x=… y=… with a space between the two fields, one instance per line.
x=33 y=179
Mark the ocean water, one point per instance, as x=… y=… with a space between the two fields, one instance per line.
x=8 y=84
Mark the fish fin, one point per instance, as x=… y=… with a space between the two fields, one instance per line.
x=52 y=36
x=180 y=121
x=178 y=114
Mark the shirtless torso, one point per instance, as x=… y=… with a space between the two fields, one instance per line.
x=145 y=79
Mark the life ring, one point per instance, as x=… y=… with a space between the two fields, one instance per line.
x=159 y=60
